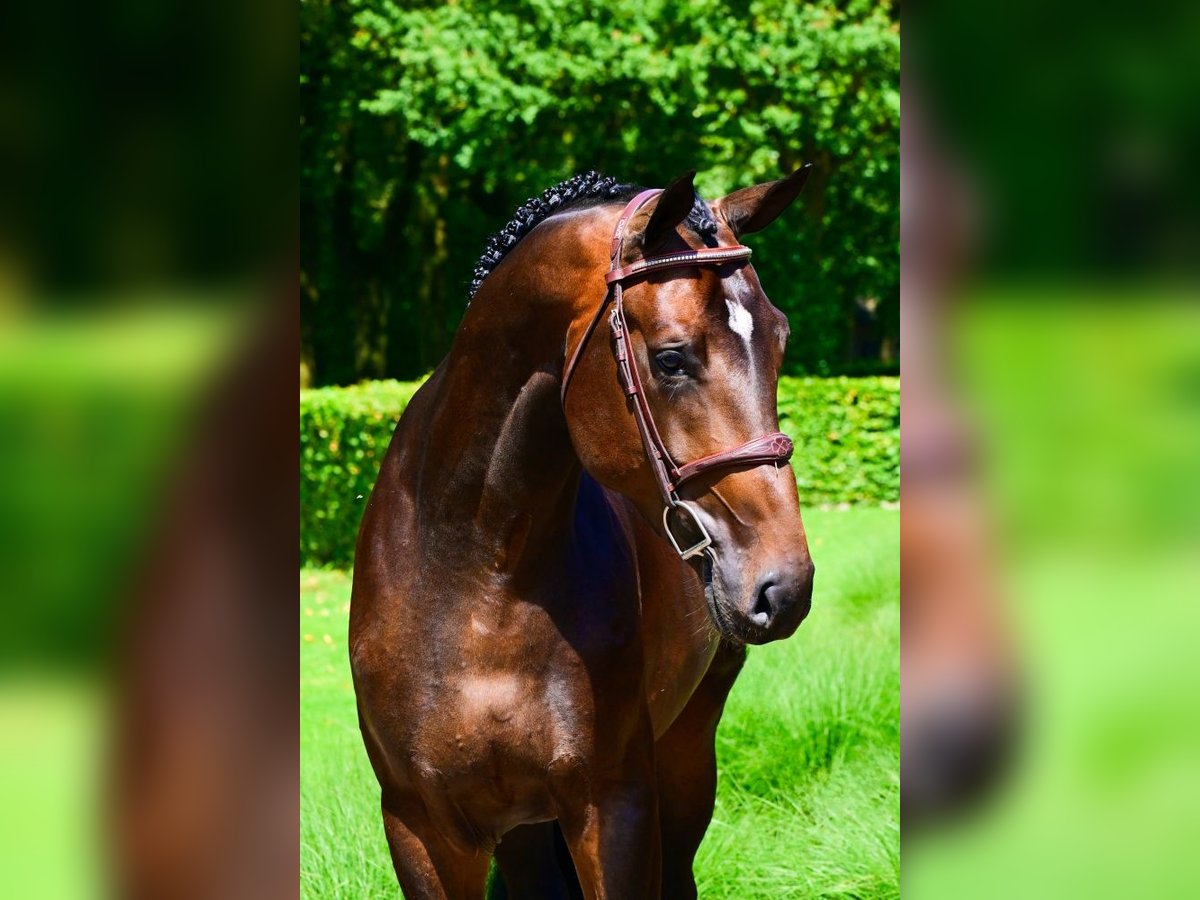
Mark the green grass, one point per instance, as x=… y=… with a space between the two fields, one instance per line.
x=808 y=801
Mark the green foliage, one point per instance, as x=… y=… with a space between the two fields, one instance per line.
x=344 y=433
x=847 y=434
x=424 y=125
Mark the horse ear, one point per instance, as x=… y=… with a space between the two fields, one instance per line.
x=674 y=203
x=754 y=208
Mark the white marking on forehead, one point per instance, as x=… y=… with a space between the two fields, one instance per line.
x=740 y=320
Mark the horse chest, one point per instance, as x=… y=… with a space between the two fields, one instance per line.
x=484 y=752
x=672 y=674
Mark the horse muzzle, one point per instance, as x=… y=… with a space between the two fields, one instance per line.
x=770 y=607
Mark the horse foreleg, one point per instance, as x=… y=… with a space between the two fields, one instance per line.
x=614 y=841
x=686 y=763
x=427 y=866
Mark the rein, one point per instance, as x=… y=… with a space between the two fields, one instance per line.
x=771 y=448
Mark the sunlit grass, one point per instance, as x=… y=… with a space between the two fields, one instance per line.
x=808 y=801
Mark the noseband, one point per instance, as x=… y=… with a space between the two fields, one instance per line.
x=772 y=448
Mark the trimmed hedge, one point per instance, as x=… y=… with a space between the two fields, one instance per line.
x=847 y=434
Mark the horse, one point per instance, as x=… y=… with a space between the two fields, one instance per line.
x=548 y=611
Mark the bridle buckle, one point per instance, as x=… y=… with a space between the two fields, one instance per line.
x=695 y=549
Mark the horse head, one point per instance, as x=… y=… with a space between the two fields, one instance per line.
x=705 y=345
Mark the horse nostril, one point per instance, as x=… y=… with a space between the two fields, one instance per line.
x=764 y=605
x=782 y=599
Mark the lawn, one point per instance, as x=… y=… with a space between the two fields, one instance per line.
x=809 y=747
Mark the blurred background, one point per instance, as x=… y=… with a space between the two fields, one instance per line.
x=147 y=222
x=1051 y=343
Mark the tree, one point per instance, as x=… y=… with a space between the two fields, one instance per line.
x=424 y=125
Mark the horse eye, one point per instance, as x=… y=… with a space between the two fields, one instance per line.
x=670 y=361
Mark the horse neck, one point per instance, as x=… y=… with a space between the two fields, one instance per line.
x=499 y=473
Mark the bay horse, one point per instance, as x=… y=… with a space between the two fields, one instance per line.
x=549 y=611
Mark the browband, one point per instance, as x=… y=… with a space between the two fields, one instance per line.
x=709 y=256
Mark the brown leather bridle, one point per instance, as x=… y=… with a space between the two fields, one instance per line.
x=772 y=448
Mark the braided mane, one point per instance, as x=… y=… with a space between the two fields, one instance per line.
x=588 y=188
